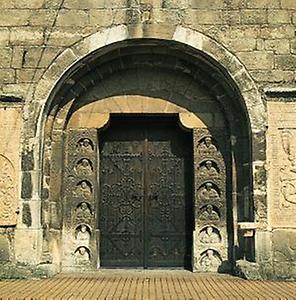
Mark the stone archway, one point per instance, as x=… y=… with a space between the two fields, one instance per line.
x=229 y=83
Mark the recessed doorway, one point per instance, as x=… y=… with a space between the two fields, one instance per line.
x=145 y=209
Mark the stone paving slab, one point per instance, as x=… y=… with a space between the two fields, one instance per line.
x=119 y=284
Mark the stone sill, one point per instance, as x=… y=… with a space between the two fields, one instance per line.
x=247 y=228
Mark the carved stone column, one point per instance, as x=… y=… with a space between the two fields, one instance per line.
x=210 y=238
x=79 y=200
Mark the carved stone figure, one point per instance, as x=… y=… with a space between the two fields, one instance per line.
x=208 y=236
x=82 y=255
x=208 y=169
x=84 y=188
x=83 y=211
x=85 y=145
x=84 y=166
x=210 y=261
x=208 y=213
x=207 y=145
x=288 y=171
x=7 y=192
x=83 y=234
x=208 y=192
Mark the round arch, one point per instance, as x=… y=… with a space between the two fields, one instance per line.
x=231 y=70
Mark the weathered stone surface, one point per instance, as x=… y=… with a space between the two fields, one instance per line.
x=10 y=122
x=27 y=36
x=78 y=18
x=254 y=16
x=284 y=241
x=4 y=249
x=289 y=4
x=263 y=4
x=26 y=192
x=285 y=62
x=14 y=17
x=279 y=17
x=280 y=155
x=257 y=60
x=281 y=46
x=7 y=75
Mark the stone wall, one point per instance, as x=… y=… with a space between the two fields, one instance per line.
x=260 y=34
x=33 y=33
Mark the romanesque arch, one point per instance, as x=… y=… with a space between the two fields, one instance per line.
x=71 y=83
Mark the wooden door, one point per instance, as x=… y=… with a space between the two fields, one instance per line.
x=145 y=206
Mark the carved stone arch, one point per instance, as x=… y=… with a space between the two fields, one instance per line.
x=230 y=73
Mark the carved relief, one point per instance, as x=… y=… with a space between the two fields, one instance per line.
x=82 y=255
x=206 y=146
x=85 y=145
x=7 y=192
x=83 y=211
x=84 y=188
x=208 y=192
x=84 y=166
x=209 y=213
x=79 y=197
x=210 y=261
x=210 y=203
x=288 y=170
x=210 y=235
x=83 y=234
x=208 y=169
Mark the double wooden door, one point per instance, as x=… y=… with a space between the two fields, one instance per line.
x=145 y=205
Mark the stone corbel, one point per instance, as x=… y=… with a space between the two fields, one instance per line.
x=247 y=228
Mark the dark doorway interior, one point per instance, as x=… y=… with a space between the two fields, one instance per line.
x=145 y=206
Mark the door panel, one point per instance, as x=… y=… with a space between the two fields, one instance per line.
x=168 y=151
x=121 y=203
x=145 y=194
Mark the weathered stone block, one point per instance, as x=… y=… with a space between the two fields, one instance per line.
x=279 y=17
x=288 y=4
x=42 y=17
x=33 y=4
x=240 y=45
x=29 y=75
x=101 y=17
x=7 y=75
x=39 y=57
x=293 y=46
x=26 y=192
x=14 y=17
x=281 y=46
x=4 y=249
x=204 y=4
x=252 y=16
x=22 y=90
x=205 y=17
x=4 y=37
x=257 y=59
x=285 y=62
x=277 y=32
x=284 y=245
x=263 y=3
x=67 y=36
x=6 y=56
x=231 y=17
x=77 y=4
x=76 y=18
x=26 y=36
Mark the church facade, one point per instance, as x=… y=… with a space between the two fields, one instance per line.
x=148 y=134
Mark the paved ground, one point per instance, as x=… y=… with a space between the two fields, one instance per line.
x=145 y=285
